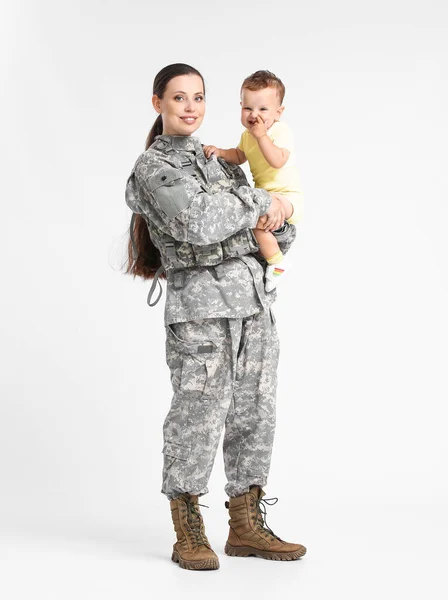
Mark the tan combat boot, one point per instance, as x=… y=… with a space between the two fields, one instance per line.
x=192 y=549
x=249 y=534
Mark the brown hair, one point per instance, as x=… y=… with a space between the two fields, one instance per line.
x=146 y=259
x=263 y=79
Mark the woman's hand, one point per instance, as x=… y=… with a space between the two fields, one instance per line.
x=209 y=150
x=261 y=223
x=287 y=205
x=276 y=214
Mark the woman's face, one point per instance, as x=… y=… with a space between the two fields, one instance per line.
x=182 y=106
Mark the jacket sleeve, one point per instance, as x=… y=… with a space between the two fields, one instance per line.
x=285 y=236
x=180 y=207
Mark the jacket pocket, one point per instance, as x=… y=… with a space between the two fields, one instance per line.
x=167 y=187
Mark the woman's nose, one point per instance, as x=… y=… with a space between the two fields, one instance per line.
x=189 y=107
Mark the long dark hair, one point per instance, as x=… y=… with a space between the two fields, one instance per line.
x=145 y=262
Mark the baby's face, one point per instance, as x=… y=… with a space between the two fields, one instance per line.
x=264 y=103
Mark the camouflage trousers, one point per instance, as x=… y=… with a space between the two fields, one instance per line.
x=224 y=375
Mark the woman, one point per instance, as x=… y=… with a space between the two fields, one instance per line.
x=194 y=220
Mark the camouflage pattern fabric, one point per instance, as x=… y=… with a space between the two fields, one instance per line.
x=200 y=214
x=224 y=375
x=222 y=346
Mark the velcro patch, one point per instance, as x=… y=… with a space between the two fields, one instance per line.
x=205 y=348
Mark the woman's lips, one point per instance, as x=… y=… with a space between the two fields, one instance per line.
x=189 y=120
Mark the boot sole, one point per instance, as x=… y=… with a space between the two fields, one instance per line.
x=248 y=551
x=195 y=565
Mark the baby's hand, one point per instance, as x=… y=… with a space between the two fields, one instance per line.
x=209 y=150
x=259 y=128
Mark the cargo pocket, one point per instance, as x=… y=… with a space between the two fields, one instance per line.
x=199 y=360
x=175 y=466
x=174 y=450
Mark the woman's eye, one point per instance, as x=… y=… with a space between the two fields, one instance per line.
x=199 y=98
x=178 y=98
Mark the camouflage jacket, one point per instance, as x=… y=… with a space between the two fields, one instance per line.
x=200 y=215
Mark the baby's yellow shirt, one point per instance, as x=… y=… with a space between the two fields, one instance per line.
x=284 y=180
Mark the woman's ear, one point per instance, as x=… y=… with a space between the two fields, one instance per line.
x=156 y=103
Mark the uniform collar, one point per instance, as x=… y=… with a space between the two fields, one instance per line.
x=185 y=143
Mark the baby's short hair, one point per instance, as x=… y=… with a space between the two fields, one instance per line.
x=263 y=79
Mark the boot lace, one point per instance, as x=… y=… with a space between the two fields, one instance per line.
x=194 y=518
x=261 y=515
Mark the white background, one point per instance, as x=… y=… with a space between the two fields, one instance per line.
x=360 y=454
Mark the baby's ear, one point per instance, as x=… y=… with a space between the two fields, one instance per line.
x=280 y=110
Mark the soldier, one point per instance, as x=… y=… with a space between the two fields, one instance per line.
x=192 y=224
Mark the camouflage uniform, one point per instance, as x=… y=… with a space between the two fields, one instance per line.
x=221 y=341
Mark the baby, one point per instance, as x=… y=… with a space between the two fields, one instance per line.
x=268 y=145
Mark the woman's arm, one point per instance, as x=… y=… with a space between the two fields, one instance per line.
x=180 y=207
